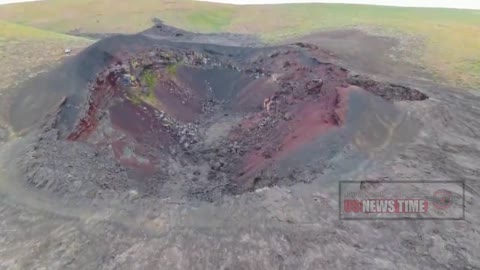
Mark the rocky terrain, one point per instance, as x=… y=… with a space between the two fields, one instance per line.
x=174 y=150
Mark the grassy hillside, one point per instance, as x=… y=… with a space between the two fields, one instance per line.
x=26 y=50
x=452 y=37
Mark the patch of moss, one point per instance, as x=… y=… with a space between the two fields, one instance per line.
x=172 y=69
x=136 y=100
x=149 y=79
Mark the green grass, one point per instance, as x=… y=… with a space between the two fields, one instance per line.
x=216 y=20
x=9 y=31
x=452 y=37
x=117 y=15
x=24 y=51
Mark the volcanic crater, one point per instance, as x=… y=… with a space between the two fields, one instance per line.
x=199 y=120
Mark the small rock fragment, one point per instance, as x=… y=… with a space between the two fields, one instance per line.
x=133 y=195
x=288 y=116
x=314 y=86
